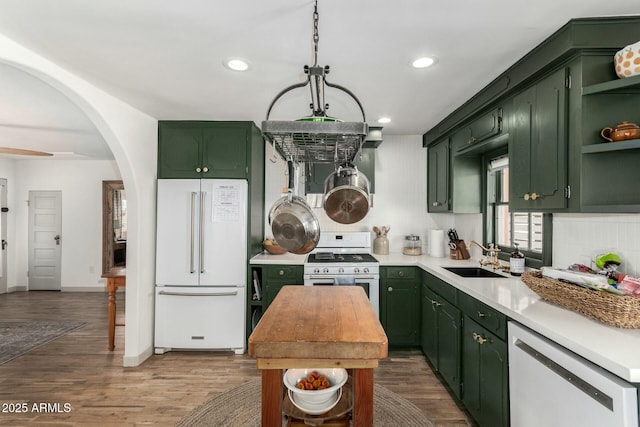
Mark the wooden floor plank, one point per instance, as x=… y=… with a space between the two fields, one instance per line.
x=79 y=370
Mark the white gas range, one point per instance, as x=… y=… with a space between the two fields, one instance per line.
x=344 y=258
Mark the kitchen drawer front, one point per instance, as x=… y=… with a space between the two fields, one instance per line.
x=399 y=272
x=442 y=288
x=486 y=316
x=292 y=273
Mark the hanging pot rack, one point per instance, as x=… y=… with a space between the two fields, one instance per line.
x=317 y=138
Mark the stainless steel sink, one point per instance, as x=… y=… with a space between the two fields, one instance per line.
x=473 y=272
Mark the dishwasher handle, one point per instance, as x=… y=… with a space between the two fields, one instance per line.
x=567 y=375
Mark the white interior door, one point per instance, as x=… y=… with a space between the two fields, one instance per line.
x=45 y=242
x=3 y=236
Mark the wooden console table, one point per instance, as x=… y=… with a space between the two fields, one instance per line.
x=318 y=327
x=115 y=279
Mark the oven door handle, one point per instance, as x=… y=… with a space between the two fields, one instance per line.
x=332 y=277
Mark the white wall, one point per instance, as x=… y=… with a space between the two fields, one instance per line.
x=80 y=182
x=400 y=199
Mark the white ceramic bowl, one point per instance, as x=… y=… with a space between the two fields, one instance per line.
x=320 y=400
x=317 y=409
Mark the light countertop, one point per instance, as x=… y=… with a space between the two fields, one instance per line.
x=614 y=349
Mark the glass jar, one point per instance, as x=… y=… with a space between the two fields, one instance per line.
x=412 y=245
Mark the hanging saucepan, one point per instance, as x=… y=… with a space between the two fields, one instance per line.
x=294 y=225
x=346 y=195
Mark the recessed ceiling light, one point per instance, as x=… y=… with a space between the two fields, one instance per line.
x=383 y=120
x=423 y=62
x=237 y=64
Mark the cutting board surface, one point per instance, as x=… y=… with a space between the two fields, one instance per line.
x=332 y=322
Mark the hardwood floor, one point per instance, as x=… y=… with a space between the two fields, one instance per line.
x=78 y=370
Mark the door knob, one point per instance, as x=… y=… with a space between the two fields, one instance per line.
x=205 y=170
x=534 y=196
x=4 y=244
x=57 y=238
x=390 y=289
x=526 y=196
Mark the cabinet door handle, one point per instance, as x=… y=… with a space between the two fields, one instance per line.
x=479 y=338
x=532 y=196
x=481 y=314
x=401 y=273
x=281 y=272
x=205 y=170
x=198 y=170
x=471 y=140
x=436 y=204
x=390 y=289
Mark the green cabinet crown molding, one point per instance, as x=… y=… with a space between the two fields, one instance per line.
x=578 y=34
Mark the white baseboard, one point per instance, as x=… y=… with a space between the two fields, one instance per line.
x=17 y=288
x=132 y=361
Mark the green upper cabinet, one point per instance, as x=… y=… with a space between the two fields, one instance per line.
x=316 y=173
x=199 y=149
x=538 y=146
x=438 y=199
x=476 y=133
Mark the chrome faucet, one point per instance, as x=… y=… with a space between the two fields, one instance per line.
x=492 y=256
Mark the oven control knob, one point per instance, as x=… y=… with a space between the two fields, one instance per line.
x=325 y=270
x=316 y=270
x=366 y=270
x=341 y=270
x=356 y=270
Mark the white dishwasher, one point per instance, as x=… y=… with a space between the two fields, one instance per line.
x=550 y=386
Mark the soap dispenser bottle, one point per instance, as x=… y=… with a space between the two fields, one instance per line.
x=516 y=262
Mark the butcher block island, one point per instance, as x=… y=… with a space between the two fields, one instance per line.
x=318 y=327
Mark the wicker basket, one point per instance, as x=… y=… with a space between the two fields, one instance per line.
x=615 y=310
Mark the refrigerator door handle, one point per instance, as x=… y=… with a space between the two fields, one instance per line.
x=202 y=236
x=193 y=232
x=199 y=294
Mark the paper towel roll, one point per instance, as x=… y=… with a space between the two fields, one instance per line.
x=436 y=243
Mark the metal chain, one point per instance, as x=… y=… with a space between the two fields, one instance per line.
x=316 y=37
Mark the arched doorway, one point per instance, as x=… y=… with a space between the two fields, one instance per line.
x=131 y=135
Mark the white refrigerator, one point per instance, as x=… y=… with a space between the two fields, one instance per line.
x=201 y=264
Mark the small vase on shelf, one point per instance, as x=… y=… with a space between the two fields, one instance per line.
x=381 y=243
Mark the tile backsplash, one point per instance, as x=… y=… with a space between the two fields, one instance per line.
x=579 y=238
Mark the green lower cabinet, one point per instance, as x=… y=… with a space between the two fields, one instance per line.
x=400 y=305
x=429 y=325
x=485 y=375
x=449 y=345
x=441 y=328
x=274 y=277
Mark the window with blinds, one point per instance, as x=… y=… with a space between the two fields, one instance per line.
x=507 y=228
